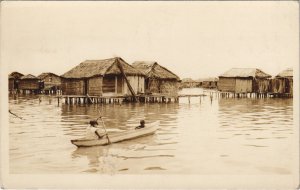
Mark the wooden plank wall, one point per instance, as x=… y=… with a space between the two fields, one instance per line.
x=52 y=80
x=73 y=86
x=11 y=84
x=109 y=84
x=120 y=83
x=29 y=84
x=95 y=86
x=226 y=84
x=243 y=85
x=137 y=83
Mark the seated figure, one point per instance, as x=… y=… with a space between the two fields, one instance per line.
x=142 y=125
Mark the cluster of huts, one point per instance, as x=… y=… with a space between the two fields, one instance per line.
x=246 y=80
x=108 y=77
x=44 y=83
x=115 y=77
x=210 y=82
x=252 y=80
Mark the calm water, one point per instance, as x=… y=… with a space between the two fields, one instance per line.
x=218 y=136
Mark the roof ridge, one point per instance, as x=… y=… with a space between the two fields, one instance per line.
x=101 y=59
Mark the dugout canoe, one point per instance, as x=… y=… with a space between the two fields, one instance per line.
x=118 y=137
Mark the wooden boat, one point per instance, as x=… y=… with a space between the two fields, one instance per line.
x=118 y=137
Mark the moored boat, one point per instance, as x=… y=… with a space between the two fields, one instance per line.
x=118 y=137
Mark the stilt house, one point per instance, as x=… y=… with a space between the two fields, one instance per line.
x=244 y=80
x=50 y=82
x=29 y=83
x=283 y=82
x=103 y=78
x=158 y=78
x=189 y=83
x=211 y=82
x=13 y=80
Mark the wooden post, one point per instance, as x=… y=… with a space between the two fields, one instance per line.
x=128 y=83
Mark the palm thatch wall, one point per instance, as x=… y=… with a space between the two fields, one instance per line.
x=158 y=78
x=283 y=82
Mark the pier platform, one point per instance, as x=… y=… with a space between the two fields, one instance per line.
x=153 y=98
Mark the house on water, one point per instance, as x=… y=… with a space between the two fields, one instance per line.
x=210 y=82
x=13 y=81
x=29 y=84
x=283 y=82
x=244 y=80
x=159 y=80
x=103 y=78
x=50 y=83
x=189 y=83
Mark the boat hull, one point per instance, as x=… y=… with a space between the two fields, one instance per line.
x=114 y=138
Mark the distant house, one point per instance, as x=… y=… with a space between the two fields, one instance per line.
x=50 y=82
x=29 y=83
x=13 y=80
x=189 y=83
x=244 y=80
x=102 y=77
x=211 y=82
x=158 y=78
x=283 y=82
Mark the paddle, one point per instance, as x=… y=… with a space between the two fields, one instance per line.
x=103 y=127
x=15 y=114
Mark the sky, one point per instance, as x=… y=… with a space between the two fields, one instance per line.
x=193 y=39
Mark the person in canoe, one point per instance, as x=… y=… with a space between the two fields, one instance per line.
x=93 y=132
x=142 y=125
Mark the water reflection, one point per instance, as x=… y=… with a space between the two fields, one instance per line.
x=256 y=119
x=206 y=136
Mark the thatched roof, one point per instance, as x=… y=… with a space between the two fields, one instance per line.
x=29 y=76
x=15 y=75
x=153 y=70
x=91 y=68
x=286 y=73
x=44 y=75
x=245 y=72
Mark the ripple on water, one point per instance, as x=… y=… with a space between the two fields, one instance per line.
x=193 y=138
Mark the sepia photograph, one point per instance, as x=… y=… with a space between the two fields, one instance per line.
x=150 y=94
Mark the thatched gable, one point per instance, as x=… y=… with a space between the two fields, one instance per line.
x=29 y=76
x=288 y=73
x=187 y=80
x=245 y=72
x=92 y=68
x=44 y=75
x=15 y=75
x=154 y=70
